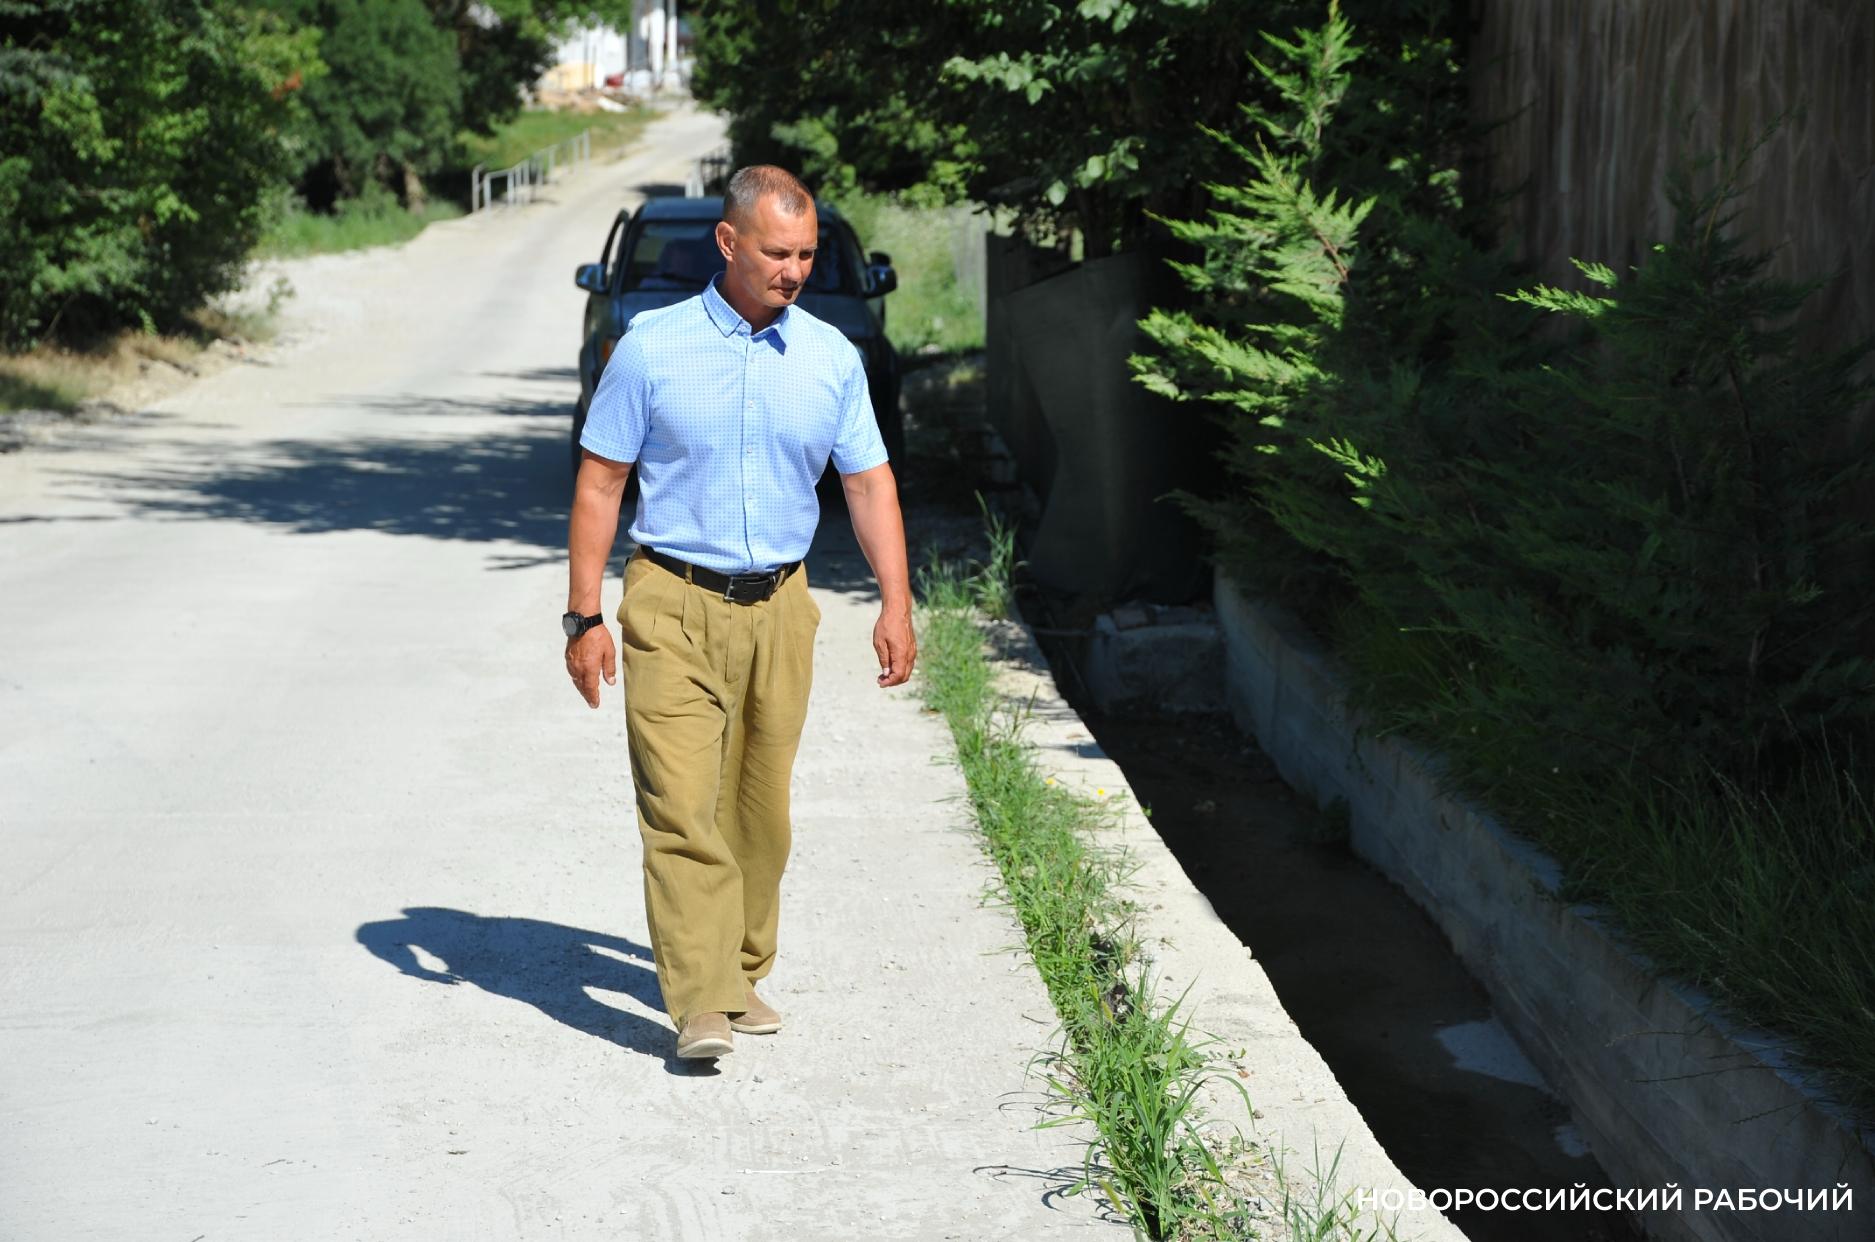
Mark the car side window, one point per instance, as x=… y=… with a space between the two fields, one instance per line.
x=673 y=254
x=682 y=254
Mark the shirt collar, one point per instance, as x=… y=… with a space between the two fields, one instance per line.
x=727 y=320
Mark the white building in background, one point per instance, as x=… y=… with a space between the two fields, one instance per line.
x=650 y=58
x=587 y=57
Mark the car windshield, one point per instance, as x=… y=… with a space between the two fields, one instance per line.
x=682 y=254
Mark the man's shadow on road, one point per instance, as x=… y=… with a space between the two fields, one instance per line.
x=546 y=965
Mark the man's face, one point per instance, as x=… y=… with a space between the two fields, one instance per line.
x=768 y=258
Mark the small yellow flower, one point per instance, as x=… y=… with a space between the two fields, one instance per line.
x=1100 y=793
x=1049 y=781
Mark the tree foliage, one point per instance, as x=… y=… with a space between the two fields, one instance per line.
x=407 y=77
x=1077 y=115
x=142 y=142
x=139 y=138
x=390 y=100
x=1627 y=545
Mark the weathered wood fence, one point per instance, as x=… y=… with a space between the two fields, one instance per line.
x=1596 y=100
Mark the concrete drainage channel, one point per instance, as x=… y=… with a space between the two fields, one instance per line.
x=1369 y=979
x=1676 y=1099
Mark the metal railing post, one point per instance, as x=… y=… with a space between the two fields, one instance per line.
x=519 y=182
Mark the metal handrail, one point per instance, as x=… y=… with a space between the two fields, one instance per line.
x=520 y=181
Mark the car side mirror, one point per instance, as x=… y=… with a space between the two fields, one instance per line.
x=879 y=270
x=590 y=277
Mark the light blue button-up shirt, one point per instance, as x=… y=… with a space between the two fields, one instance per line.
x=731 y=429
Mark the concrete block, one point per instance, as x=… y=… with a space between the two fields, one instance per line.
x=1132 y=662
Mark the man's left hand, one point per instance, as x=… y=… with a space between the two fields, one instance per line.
x=896 y=645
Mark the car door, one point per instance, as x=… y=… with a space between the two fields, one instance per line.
x=599 y=305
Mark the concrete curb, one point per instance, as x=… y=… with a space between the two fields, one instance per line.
x=1298 y=1102
x=1666 y=1090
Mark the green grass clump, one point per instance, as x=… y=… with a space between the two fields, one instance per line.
x=18 y=392
x=1127 y=1065
x=1766 y=901
x=1313 y=1211
x=538 y=128
x=932 y=307
x=374 y=218
x=1764 y=897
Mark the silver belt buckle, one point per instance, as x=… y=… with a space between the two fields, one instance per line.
x=765 y=583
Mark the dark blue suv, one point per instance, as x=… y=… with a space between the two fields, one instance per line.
x=666 y=251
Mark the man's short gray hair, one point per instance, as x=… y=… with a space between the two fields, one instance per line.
x=751 y=184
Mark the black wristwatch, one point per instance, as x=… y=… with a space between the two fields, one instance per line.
x=576 y=625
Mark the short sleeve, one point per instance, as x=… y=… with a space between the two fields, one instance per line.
x=620 y=412
x=858 y=446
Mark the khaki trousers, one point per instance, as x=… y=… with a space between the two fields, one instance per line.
x=715 y=697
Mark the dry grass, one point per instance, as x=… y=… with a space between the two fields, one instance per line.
x=60 y=379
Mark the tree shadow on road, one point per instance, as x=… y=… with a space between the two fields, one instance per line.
x=499 y=482
x=505 y=485
x=547 y=965
x=539 y=375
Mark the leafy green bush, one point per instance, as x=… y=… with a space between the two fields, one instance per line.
x=1320 y=312
x=390 y=100
x=1598 y=547
x=139 y=141
x=409 y=79
x=1627 y=547
x=1666 y=550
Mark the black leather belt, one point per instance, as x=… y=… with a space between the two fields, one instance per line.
x=736 y=588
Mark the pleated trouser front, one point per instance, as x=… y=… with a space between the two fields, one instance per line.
x=715 y=698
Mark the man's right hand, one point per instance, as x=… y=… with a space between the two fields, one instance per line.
x=597 y=490
x=588 y=656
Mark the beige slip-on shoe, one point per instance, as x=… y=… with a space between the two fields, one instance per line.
x=705 y=1035
x=759 y=1018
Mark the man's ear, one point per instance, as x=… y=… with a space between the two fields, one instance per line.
x=726 y=239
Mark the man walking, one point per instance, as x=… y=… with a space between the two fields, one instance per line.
x=730 y=404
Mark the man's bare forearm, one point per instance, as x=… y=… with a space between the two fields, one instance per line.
x=591 y=529
x=872 y=502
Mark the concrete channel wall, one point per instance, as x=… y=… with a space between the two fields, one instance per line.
x=1666 y=1090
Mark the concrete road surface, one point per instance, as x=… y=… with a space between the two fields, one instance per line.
x=320 y=911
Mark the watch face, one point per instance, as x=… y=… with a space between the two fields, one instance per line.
x=570 y=623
